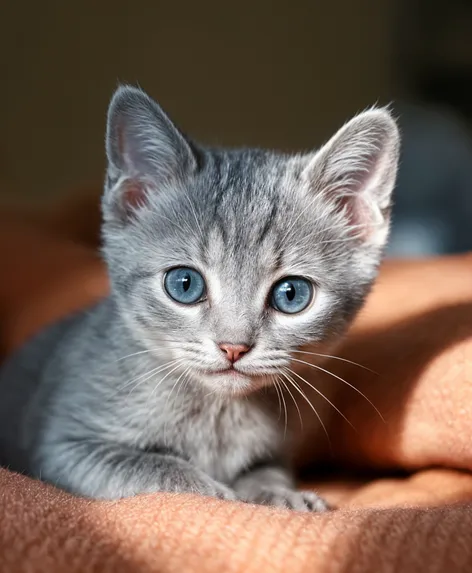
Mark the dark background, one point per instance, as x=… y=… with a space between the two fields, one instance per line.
x=279 y=74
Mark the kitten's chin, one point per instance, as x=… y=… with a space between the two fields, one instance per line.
x=232 y=383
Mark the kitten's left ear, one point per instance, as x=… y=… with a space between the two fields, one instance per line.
x=145 y=151
x=356 y=171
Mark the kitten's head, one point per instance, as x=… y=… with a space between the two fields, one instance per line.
x=227 y=261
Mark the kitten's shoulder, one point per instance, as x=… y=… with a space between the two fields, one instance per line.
x=30 y=376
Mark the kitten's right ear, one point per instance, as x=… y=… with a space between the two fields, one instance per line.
x=356 y=172
x=145 y=151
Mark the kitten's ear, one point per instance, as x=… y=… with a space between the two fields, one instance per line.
x=145 y=151
x=357 y=169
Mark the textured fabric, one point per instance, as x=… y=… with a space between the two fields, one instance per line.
x=45 y=530
x=415 y=333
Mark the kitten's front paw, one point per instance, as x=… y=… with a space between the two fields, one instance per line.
x=216 y=489
x=291 y=499
x=198 y=482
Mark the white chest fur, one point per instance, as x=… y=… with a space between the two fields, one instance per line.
x=220 y=436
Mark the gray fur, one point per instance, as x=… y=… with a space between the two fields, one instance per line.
x=90 y=404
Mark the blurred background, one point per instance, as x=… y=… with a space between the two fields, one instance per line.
x=278 y=74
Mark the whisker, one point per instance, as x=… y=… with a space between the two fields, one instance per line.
x=147 y=375
x=173 y=388
x=278 y=383
x=285 y=409
x=276 y=386
x=133 y=354
x=184 y=374
x=323 y=396
x=293 y=398
x=300 y=391
x=129 y=382
x=162 y=380
x=184 y=382
x=148 y=351
x=212 y=393
x=345 y=382
x=187 y=380
x=336 y=358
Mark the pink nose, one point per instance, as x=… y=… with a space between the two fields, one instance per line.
x=234 y=351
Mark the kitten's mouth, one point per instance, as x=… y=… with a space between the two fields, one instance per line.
x=232 y=382
x=231 y=371
x=234 y=372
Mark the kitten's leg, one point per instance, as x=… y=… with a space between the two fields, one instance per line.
x=274 y=485
x=111 y=471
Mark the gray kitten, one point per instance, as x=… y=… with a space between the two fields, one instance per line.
x=222 y=264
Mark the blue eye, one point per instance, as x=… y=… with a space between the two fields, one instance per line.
x=185 y=285
x=292 y=295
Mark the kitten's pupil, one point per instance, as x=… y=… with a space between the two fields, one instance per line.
x=186 y=280
x=290 y=291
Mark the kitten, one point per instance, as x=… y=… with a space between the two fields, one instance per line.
x=222 y=263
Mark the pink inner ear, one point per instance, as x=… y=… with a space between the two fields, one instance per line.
x=349 y=198
x=134 y=196
x=357 y=213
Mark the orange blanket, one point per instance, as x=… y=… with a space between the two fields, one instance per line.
x=415 y=332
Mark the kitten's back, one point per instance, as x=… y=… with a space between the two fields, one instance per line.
x=25 y=390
